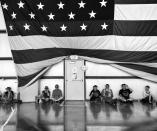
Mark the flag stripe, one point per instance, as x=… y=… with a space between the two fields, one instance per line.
x=123 y=43
x=143 y=68
x=28 y=56
x=135 y=28
x=135 y=1
x=22 y=81
x=135 y=12
x=137 y=73
x=26 y=79
x=31 y=68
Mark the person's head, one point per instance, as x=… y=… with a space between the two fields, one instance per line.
x=107 y=86
x=124 y=86
x=46 y=88
x=147 y=88
x=56 y=86
x=95 y=87
x=8 y=88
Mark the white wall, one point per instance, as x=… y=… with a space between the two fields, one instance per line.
x=106 y=70
x=51 y=84
x=56 y=70
x=7 y=68
x=94 y=69
x=4 y=46
x=28 y=94
x=136 y=84
x=2 y=25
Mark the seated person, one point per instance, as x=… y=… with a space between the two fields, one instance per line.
x=45 y=97
x=107 y=95
x=8 y=96
x=147 y=96
x=57 y=95
x=95 y=95
x=124 y=94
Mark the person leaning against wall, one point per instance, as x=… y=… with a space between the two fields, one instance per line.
x=107 y=95
x=124 y=94
x=8 y=96
x=57 y=95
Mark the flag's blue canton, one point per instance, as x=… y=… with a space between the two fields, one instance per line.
x=59 y=18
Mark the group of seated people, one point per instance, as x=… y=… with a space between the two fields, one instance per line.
x=7 y=96
x=57 y=96
x=106 y=95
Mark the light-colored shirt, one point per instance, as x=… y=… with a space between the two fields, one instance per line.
x=146 y=93
x=107 y=93
x=56 y=94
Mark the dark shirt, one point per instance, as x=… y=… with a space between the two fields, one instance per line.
x=94 y=93
x=125 y=93
x=9 y=95
x=46 y=94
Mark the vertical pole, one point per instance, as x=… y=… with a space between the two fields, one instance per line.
x=64 y=80
x=85 y=81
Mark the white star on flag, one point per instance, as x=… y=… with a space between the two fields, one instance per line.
x=71 y=15
x=63 y=27
x=11 y=27
x=32 y=15
x=83 y=27
x=13 y=15
x=81 y=4
x=40 y=6
x=21 y=4
x=51 y=16
x=92 y=14
x=44 y=28
x=26 y=26
x=104 y=26
x=60 y=5
x=5 y=6
x=103 y=3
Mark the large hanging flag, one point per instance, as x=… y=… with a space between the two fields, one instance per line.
x=122 y=33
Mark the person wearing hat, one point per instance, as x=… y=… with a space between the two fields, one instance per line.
x=57 y=96
x=8 y=96
x=45 y=97
x=95 y=95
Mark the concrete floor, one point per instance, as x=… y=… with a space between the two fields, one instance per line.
x=80 y=116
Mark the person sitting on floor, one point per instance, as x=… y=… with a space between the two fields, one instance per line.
x=147 y=96
x=107 y=95
x=8 y=96
x=45 y=97
x=124 y=94
x=95 y=95
x=57 y=96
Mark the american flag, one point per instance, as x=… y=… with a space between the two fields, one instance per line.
x=119 y=32
x=59 y=18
